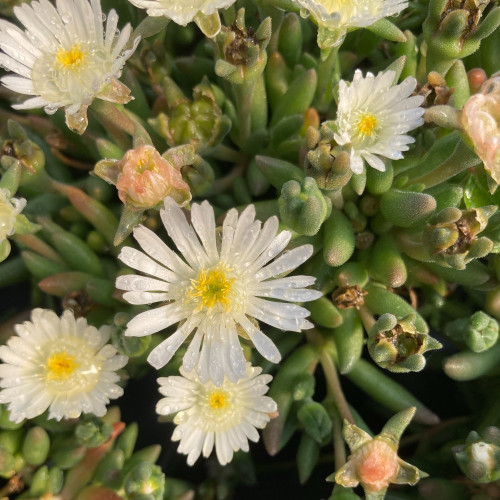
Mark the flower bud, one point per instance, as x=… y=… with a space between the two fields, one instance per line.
x=326 y=163
x=397 y=345
x=19 y=148
x=454 y=30
x=452 y=240
x=144 y=178
x=145 y=478
x=10 y=208
x=302 y=206
x=93 y=432
x=374 y=461
x=479 y=332
x=476 y=77
x=243 y=52
x=199 y=122
x=480 y=119
x=479 y=457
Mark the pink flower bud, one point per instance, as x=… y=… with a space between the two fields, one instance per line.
x=376 y=464
x=481 y=118
x=146 y=178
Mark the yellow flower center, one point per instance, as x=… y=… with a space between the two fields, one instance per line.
x=71 y=59
x=146 y=162
x=60 y=366
x=367 y=124
x=212 y=287
x=218 y=400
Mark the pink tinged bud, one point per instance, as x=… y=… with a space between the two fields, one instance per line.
x=146 y=178
x=476 y=77
x=376 y=465
x=481 y=121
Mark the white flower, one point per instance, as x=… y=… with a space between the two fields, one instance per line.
x=64 y=58
x=181 y=12
x=10 y=208
x=336 y=17
x=226 y=416
x=217 y=289
x=372 y=116
x=62 y=364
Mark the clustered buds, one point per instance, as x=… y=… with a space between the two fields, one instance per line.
x=479 y=331
x=326 y=162
x=199 y=122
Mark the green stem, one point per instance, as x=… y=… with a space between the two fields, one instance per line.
x=244 y=93
x=328 y=77
x=117 y=124
x=333 y=381
x=339 y=456
x=225 y=153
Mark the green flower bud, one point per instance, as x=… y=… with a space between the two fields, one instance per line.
x=243 y=54
x=307 y=456
x=144 y=479
x=452 y=237
x=479 y=332
x=479 y=457
x=453 y=31
x=395 y=344
x=315 y=420
x=302 y=206
x=92 y=432
x=36 y=446
x=199 y=122
x=326 y=163
x=19 y=148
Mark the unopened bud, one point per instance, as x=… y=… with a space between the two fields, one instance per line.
x=302 y=207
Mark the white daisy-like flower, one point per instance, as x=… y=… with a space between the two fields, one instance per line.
x=10 y=208
x=373 y=115
x=62 y=364
x=186 y=11
x=207 y=415
x=336 y=17
x=64 y=57
x=222 y=284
